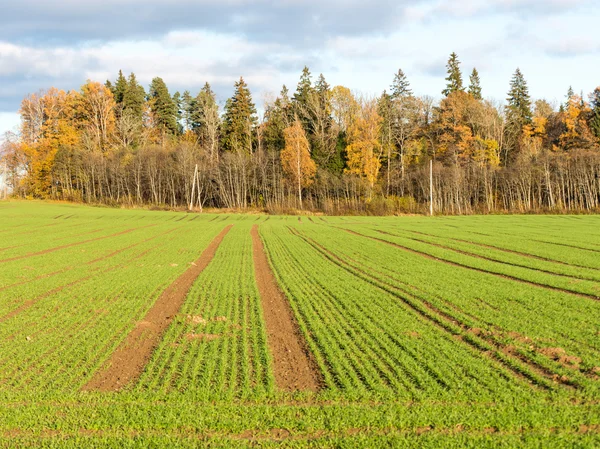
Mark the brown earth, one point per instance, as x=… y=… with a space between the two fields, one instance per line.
x=293 y=364
x=129 y=359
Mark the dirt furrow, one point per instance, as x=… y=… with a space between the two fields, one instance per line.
x=294 y=366
x=129 y=359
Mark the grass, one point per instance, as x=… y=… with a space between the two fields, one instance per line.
x=438 y=332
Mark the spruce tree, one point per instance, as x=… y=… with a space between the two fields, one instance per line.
x=475 y=85
x=134 y=98
x=239 y=120
x=454 y=78
x=400 y=86
x=163 y=107
x=304 y=89
x=322 y=89
x=594 y=120
x=278 y=116
x=518 y=109
x=119 y=88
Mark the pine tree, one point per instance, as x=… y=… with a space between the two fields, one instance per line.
x=400 y=86
x=475 y=85
x=454 y=78
x=239 y=120
x=164 y=109
x=518 y=109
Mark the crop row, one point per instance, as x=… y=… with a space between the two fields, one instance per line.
x=216 y=347
x=367 y=342
x=552 y=331
x=58 y=342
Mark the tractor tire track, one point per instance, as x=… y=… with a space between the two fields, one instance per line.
x=128 y=361
x=294 y=366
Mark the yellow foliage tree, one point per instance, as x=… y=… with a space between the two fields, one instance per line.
x=97 y=108
x=48 y=123
x=295 y=158
x=364 y=147
x=577 y=134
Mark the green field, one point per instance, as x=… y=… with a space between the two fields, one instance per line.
x=478 y=331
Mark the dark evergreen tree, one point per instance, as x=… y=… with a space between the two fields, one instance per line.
x=475 y=85
x=304 y=89
x=594 y=119
x=518 y=109
x=518 y=114
x=322 y=89
x=400 y=86
x=164 y=109
x=119 y=88
x=239 y=120
x=134 y=98
x=454 y=78
x=278 y=116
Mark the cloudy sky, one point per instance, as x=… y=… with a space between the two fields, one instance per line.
x=355 y=43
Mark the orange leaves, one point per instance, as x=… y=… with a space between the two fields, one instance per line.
x=364 y=149
x=295 y=157
x=577 y=133
x=461 y=127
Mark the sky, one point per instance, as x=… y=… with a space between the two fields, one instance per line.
x=354 y=43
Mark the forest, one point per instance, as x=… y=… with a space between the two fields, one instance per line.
x=320 y=148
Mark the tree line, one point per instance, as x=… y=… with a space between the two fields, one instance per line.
x=320 y=148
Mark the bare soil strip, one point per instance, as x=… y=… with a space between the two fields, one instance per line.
x=294 y=366
x=480 y=270
x=129 y=359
